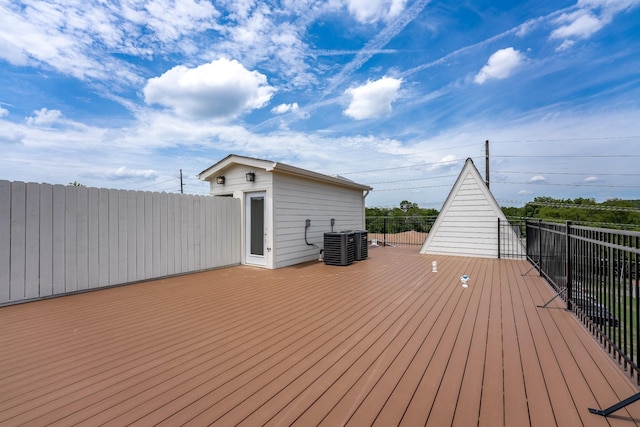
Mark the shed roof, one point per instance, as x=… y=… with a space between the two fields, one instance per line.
x=276 y=167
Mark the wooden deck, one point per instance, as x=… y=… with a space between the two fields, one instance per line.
x=382 y=342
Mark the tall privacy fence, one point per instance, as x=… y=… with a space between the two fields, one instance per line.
x=596 y=272
x=57 y=239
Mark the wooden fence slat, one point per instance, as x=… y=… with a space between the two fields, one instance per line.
x=164 y=223
x=197 y=221
x=18 y=240
x=171 y=234
x=236 y=221
x=71 y=240
x=140 y=237
x=177 y=237
x=59 y=210
x=184 y=225
x=114 y=274
x=103 y=237
x=46 y=240
x=207 y=242
x=82 y=227
x=220 y=233
x=32 y=241
x=148 y=241
x=132 y=268
x=5 y=239
x=155 y=241
x=123 y=254
x=93 y=235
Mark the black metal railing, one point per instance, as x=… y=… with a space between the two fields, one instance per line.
x=398 y=230
x=596 y=272
x=511 y=238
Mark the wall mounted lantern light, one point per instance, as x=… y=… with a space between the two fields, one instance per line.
x=220 y=179
x=251 y=176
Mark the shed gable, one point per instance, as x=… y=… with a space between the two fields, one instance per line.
x=468 y=222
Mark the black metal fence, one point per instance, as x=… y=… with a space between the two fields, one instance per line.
x=511 y=239
x=596 y=272
x=399 y=230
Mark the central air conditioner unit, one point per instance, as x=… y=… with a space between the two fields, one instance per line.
x=339 y=248
x=361 y=244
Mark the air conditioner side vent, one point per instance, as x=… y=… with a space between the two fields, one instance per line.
x=339 y=248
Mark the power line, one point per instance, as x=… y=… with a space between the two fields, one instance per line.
x=408 y=180
x=153 y=185
x=404 y=167
x=602 y=138
x=413 y=188
x=568 y=185
x=571 y=173
x=572 y=156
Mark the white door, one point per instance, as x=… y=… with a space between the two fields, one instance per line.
x=255 y=229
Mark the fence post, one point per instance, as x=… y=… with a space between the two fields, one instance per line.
x=499 y=238
x=569 y=266
x=384 y=232
x=540 y=247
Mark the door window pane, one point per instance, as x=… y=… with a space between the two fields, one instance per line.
x=257 y=226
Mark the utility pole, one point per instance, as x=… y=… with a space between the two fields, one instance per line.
x=486 y=164
x=181 y=183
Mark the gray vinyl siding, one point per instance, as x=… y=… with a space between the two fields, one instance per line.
x=296 y=200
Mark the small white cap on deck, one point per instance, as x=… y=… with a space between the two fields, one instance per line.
x=464 y=279
x=434 y=266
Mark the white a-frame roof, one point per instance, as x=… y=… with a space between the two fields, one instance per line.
x=468 y=222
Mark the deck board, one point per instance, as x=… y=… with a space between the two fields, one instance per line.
x=382 y=342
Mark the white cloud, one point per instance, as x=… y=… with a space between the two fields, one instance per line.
x=590 y=17
x=219 y=89
x=257 y=35
x=127 y=173
x=373 y=99
x=285 y=108
x=537 y=178
x=370 y=11
x=44 y=117
x=580 y=25
x=80 y=38
x=3 y=112
x=500 y=65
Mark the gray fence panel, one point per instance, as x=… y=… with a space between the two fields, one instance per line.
x=58 y=239
x=93 y=238
x=18 y=240
x=103 y=237
x=32 y=241
x=5 y=238
x=58 y=251
x=45 y=256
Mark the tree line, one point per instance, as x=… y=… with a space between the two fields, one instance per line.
x=585 y=210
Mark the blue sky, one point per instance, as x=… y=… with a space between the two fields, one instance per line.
x=395 y=94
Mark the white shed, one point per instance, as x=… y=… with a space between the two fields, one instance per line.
x=468 y=222
x=285 y=209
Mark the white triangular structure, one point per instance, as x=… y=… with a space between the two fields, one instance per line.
x=468 y=222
